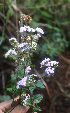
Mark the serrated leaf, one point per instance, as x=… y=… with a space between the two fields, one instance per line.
x=13 y=77
x=37 y=98
x=31 y=88
x=9 y=89
x=37 y=108
x=40 y=84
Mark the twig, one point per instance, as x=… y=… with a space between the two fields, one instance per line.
x=61 y=89
x=16 y=8
x=47 y=89
x=42 y=6
x=9 y=31
x=17 y=23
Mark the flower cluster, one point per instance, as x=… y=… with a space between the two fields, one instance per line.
x=32 y=78
x=44 y=62
x=27 y=70
x=50 y=65
x=39 y=30
x=28 y=29
x=10 y=52
x=22 y=47
x=31 y=41
x=26 y=18
x=26 y=99
x=21 y=82
x=49 y=70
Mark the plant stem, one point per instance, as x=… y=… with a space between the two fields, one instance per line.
x=46 y=89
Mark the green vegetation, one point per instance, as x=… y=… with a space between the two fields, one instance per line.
x=52 y=16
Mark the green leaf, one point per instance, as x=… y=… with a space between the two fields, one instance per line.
x=37 y=98
x=1 y=39
x=5 y=97
x=46 y=14
x=5 y=47
x=13 y=77
x=36 y=108
x=22 y=98
x=68 y=1
x=9 y=13
x=31 y=88
x=9 y=89
x=40 y=84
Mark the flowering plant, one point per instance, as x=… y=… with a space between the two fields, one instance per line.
x=23 y=82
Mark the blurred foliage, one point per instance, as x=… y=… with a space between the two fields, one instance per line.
x=4 y=97
x=52 y=16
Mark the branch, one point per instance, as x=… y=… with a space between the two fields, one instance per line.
x=61 y=89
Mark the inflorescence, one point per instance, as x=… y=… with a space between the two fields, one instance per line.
x=50 y=65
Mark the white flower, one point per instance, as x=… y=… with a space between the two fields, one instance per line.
x=52 y=63
x=39 y=30
x=27 y=70
x=34 y=75
x=33 y=45
x=28 y=38
x=14 y=52
x=13 y=39
x=38 y=35
x=22 y=29
x=10 y=51
x=22 y=59
x=32 y=30
x=35 y=37
x=27 y=27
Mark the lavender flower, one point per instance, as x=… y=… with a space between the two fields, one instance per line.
x=25 y=101
x=50 y=65
x=49 y=70
x=22 y=29
x=22 y=45
x=27 y=70
x=27 y=27
x=44 y=61
x=21 y=82
x=39 y=30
